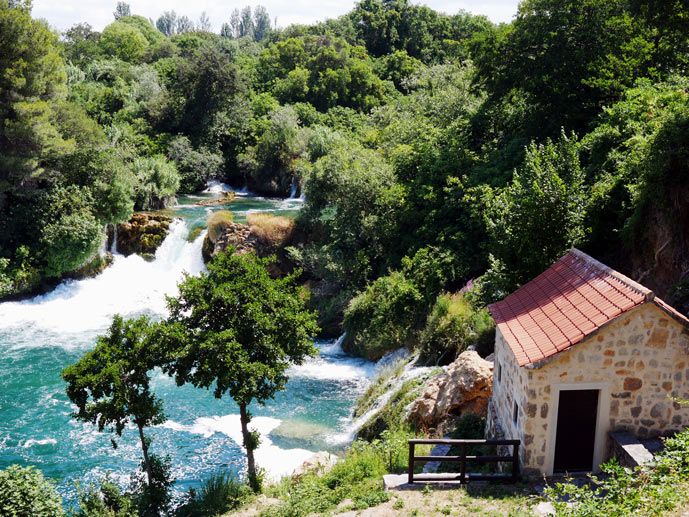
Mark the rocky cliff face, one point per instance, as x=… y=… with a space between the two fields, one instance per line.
x=244 y=240
x=142 y=234
x=464 y=387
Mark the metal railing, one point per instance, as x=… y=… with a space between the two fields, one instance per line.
x=462 y=459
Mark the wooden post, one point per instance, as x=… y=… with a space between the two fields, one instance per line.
x=410 y=480
x=515 y=463
x=463 y=474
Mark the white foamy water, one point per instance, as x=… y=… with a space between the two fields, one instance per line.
x=277 y=462
x=46 y=441
x=130 y=285
x=333 y=364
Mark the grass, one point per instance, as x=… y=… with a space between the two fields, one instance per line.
x=274 y=230
x=378 y=386
x=217 y=223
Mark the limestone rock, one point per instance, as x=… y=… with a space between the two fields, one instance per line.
x=464 y=387
x=320 y=462
x=142 y=234
x=244 y=240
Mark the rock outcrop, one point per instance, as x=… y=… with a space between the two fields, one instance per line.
x=464 y=387
x=225 y=198
x=142 y=234
x=319 y=463
x=244 y=240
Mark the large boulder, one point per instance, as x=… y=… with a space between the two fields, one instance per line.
x=464 y=387
x=142 y=234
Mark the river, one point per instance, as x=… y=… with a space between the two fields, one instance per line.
x=40 y=336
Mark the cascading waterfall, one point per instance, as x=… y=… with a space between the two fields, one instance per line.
x=113 y=246
x=293 y=190
x=41 y=336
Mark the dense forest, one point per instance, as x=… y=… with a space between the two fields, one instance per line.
x=432 y=149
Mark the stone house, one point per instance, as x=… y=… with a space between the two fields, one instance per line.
x=582 y=351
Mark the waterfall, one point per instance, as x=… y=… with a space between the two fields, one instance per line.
x=293 y=191
x=113 y=246
x=130 y=286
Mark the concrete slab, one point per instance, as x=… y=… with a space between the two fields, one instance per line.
x=399 y=482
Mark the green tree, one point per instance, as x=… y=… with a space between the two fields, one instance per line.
x=124 y=41
x=25 y=492
x=237 y=330
x=121 y=10
x=539 y=216
x=110 y=385
x=32 y=74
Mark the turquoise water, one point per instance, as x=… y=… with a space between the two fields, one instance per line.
x=39 y=337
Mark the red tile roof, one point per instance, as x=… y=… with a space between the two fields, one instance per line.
x=567 y=302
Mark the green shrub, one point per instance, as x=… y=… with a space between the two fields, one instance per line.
x=452 y=326
x=384 y=317
x=649 y=490
x=24 y=492
x=157 y=182
x=106 y=500
x=219 y=494
x=217 y=223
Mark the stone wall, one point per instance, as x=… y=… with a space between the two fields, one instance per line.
x=642 y=358
x=509 y=385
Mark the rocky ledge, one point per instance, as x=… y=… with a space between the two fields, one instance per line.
x=142 y=234
x=244 y=240
x=463 y=387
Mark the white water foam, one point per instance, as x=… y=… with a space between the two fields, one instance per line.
x=32 y=442
x=333 y=364
x=277 y=462
x=129 y=286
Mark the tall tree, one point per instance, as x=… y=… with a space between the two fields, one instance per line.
x=122 y=10
x=204 y=22
x=237 y=330
x=167 y=23
x=246 y=23
x=110 y=385
x=184 y=24
x=261 y=23
x=31 y=74
x=235 y=23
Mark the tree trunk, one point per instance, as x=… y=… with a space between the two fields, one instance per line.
x=144 y=447
x=249 y=446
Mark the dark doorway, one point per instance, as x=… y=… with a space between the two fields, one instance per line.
x=576 y=431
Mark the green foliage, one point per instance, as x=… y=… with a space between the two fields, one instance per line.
x=354 y=194
x=195 y=167
x=25 y=492
x=357 y=477
x=219 y=494
x=105 y=500
x=124 y=41
x=151 y=486
x=69 y=232
x=110 y=385
x=237 y=330
x=383 y=317
x=454 y=325
x=322 y=70
x=538 y=217
x=157 y=181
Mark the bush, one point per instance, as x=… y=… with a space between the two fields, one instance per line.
x=384 y=317
x=217 y=223
x=70 y=233
x=24 y=492
x=106 y=500
x=219 y=494
x=452 y=326
x=274 y=230
x=195 y=167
